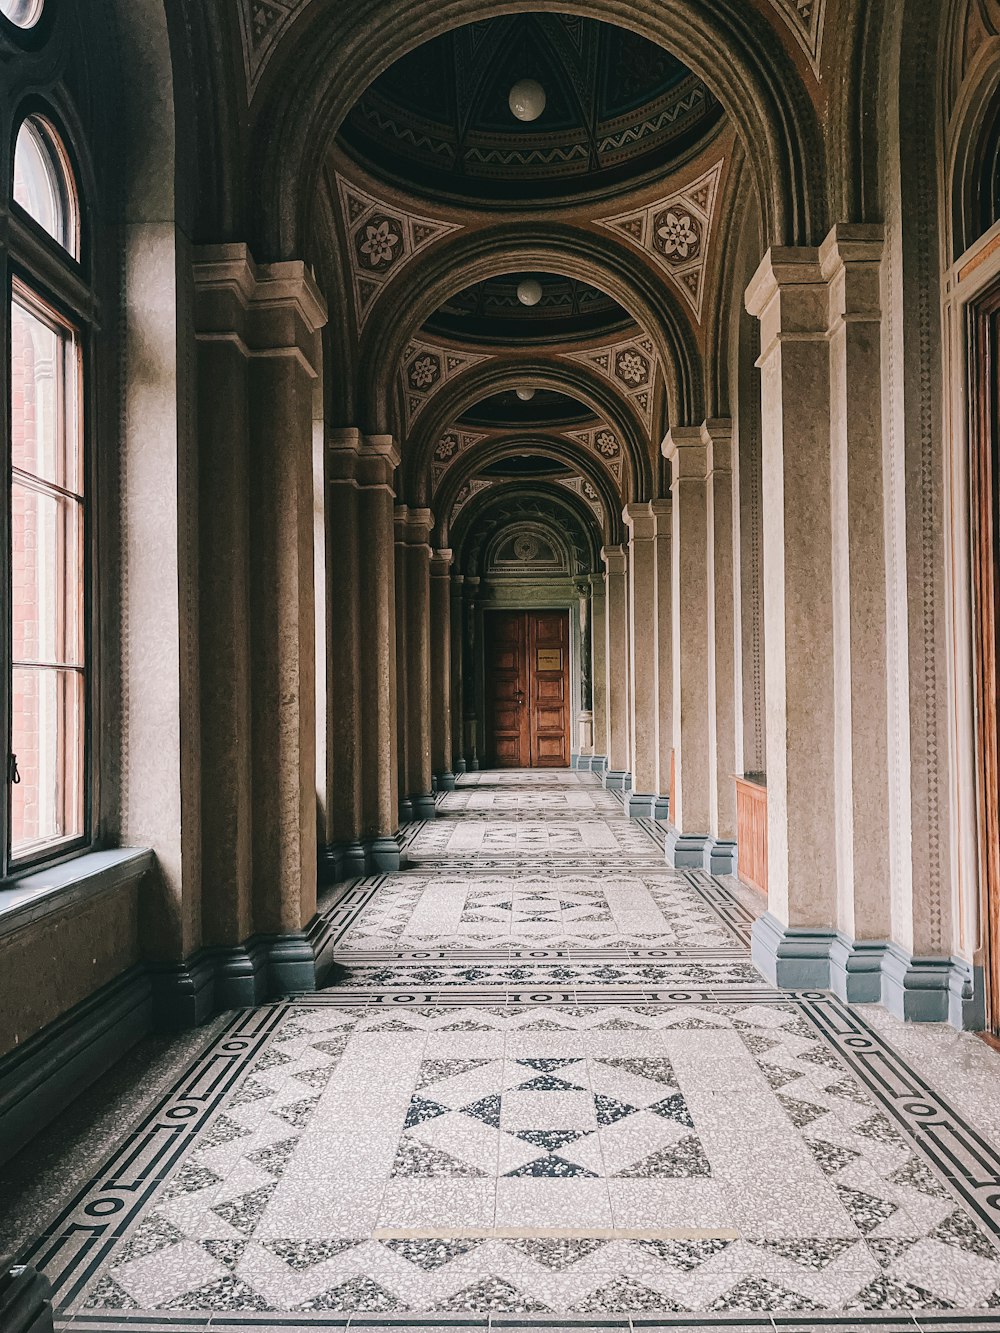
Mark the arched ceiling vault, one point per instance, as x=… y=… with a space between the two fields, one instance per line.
x=599 y=260
x=492 y=450
x=488 y=378
x=502 y=506
x=337 y=50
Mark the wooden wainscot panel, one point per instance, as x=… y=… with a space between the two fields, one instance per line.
x=751 y=831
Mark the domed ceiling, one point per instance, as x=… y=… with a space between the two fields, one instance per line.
x=617 y=108
x=490 y=312
x=544 y=409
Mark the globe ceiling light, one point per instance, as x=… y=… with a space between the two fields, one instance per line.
x=529 y=291
x=525 y=394
x=527 y=99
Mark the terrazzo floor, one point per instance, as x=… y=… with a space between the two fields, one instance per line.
x=545 y=1089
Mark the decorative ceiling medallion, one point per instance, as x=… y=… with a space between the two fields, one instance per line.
x=675 y=232
x=604 y=442
x=425 y=369
x=451 y=444
x=382 y=239
x=262 y=23
x=805 y=18
x=631 y=366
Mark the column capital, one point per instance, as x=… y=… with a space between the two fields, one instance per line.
x=378 y=459
x=684 y=447
x=441 y=563
x=717 y=432
x=343 y=448
x=851 y=261
x=457 y=580
x=267 y=309
x=788 y=294
x=638 y=517
x=418 y=526
x=615 y=559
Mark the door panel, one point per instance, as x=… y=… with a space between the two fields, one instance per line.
x=527 y=688
x=507 y=689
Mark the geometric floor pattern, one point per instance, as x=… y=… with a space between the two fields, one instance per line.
x=545 y=1088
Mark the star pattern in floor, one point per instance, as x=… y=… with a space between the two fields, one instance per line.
x=544 y=1088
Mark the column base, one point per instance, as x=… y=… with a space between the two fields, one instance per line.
x=341 y=860
x=444 y=781
x=459 y=767
x=933 y=990
x=599 y=764
x=660 y=808
x=423 y=806
x=616 y=779
x=721 y=857
x=639 y=806
x=405 y=810
x=382 y=855
x=473 y=765
x=795 y=957
x=687 y=851
x=856 y=969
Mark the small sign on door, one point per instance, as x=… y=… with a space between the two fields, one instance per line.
x=550 y=659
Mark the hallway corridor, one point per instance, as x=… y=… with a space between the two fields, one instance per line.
x=544 y=1078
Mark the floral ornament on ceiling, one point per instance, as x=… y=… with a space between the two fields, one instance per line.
x=425 y=368
x=632 y=367
x=676 y=235
x=380 y=242
x=446 y=447
x=606 y=442
x=424 y=371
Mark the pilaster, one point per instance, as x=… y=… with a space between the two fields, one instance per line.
x=789 y=296
x=643 y=659
x=617 y=665
x=457 y=675
x=400 y=520
x=722 y=660
x=440 y=673
x=419 y=771
x=377 y=595
x=662 y=511
x=688 y=839
x=599 y=678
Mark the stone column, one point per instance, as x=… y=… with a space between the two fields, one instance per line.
x=377 y=597
x=585 y=751
x=850 y=259
x=687 y=836
x=420 y=788
x=662 y=511
x=722 y=658
x=441 y=699
x=599 y=676
x=400 y=521
x=791 y=942
x=643 y=665
x=283 y=335
x=457 y=687
x=617 y=666
x=470 y=591
x=341 y=837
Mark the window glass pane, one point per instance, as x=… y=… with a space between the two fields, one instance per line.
x=25 y=13
x=45 y=397
x=47 y=736
x=46 y=577
x=42 y=183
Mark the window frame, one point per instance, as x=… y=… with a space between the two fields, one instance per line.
x=60 y=284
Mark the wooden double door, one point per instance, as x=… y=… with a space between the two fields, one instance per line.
x=527 y=689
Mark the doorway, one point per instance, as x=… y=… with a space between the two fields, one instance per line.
x=527 y=689
x=984 y=364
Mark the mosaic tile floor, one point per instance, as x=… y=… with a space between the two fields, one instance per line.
x=544 y=1089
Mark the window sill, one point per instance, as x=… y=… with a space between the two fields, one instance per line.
x=36 y=895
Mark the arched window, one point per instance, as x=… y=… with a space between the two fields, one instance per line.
x=47 y=679
x=23 y=13
x=43 y=182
